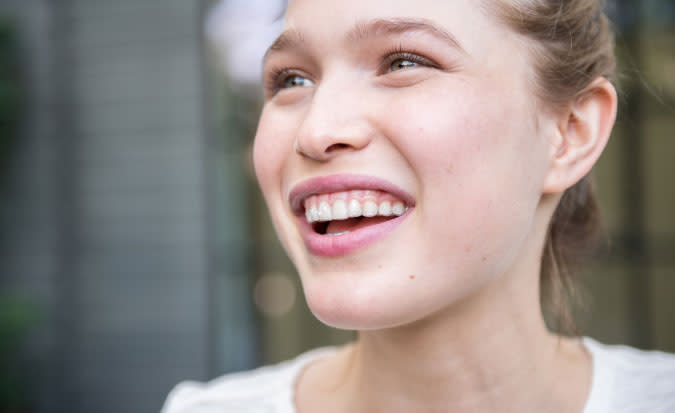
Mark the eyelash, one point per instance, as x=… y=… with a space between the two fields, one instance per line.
x=274 y=79
x=399 y=53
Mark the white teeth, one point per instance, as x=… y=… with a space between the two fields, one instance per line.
x=325 y=213
x=369 y=209
x=355 y=208
x=398 y=209
x=339 y=209
x=315 y=213
x=384 y=209
x=338 y=233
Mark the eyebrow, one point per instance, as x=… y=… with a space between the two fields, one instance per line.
x=293 y=38
x=383 y=27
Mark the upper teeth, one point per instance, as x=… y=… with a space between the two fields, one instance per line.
x=344 y=205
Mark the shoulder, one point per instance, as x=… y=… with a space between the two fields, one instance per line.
x=265 y=389
x=626 y=379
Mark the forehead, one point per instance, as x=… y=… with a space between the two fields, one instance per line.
x=378 y=8
x=326 y=21
x=362 y=30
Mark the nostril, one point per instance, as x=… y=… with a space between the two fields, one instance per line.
x=336 y=146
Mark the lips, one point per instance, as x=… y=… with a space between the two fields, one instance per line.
x=334 y=191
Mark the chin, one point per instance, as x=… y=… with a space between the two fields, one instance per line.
x=355 y=305
x=349 y=318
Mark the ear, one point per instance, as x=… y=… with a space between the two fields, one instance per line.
x=582 y=133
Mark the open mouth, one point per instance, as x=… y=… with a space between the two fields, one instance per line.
x=340 y=213
x=344 y=213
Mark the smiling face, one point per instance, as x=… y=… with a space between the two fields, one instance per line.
x=419 y=116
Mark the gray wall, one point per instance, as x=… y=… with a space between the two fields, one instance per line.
x=107 y=213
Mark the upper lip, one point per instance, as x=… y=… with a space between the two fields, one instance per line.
x=343 y=182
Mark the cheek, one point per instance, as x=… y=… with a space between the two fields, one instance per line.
x=270 y=150
x=480 y=168
x=463 y=135
x=470 y=138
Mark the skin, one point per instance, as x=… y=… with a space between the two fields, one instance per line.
x=460 y=129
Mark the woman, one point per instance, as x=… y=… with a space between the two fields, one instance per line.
x=424 y=165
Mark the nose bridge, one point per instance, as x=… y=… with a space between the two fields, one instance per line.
x=335 y=120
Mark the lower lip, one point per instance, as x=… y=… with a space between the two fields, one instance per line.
x=339 y=245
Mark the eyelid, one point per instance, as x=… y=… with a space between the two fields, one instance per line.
x=273 y=78
x=400 y=54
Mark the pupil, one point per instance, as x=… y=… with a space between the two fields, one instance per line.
x=402 y=64
x=294 y=81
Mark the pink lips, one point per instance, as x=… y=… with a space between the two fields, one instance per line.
x=337 y=245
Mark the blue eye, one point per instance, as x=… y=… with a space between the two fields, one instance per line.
x=280 y=79
x=295 y=81
x=399 y=64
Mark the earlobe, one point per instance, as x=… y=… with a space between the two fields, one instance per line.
x=582 y=134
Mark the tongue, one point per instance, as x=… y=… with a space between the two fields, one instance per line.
x=352 y=224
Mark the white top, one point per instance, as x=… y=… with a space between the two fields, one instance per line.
x=625 y=380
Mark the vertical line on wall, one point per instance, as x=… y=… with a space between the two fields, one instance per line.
x=634 y=238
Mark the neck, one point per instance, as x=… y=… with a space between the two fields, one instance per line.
x=498 y=358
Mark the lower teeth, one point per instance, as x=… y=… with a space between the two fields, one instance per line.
x=337 y=233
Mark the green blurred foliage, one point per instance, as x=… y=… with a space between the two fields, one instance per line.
x=17 y=317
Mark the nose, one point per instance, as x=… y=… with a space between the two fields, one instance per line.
x=335 y=123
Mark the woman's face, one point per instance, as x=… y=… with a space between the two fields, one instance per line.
x=419 y=113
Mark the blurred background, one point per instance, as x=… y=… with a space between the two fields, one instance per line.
x=135 y=249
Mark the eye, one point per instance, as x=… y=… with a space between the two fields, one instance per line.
x=294 y=80
x=278 y=80
x=400 y=64
x=399 y=60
